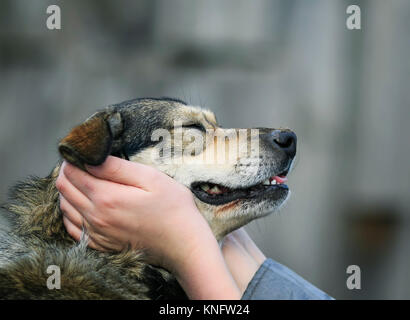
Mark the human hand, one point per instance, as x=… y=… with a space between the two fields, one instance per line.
x=124 y=203
x=242 y=257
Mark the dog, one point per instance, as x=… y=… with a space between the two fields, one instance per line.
x=228 y=194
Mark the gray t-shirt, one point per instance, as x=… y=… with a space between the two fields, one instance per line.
x=274 y=281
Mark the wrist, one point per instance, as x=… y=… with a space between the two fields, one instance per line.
x=204 y=274
x=192 y=243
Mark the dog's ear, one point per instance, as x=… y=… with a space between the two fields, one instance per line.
x=94 y=140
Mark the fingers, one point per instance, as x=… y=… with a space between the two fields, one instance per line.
x=83 y=200
x=71 y=213
x=72 y=229
x=75 y=232
x=72 y=195
x=86 y=184
x=127 y=172
x=95 y=189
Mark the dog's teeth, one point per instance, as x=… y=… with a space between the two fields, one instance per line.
x=273 y=181
x=266 y=182
x=215 y=190
x=205 y=187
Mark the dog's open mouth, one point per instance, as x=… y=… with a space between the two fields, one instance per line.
x=217 y=194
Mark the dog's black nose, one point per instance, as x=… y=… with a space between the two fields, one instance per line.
x=286 y=141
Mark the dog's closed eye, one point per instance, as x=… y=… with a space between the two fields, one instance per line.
x=196 y=126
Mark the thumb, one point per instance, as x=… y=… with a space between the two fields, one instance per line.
x=126 y=172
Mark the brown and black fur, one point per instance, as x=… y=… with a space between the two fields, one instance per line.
x=37 y=237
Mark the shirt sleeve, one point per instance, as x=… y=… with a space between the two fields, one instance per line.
x=274 y=281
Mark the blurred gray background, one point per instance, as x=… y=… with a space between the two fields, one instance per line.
x=255 y=63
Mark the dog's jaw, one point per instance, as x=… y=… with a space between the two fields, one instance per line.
x=232 y=215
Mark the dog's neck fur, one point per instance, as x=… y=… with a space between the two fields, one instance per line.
x=36 y=209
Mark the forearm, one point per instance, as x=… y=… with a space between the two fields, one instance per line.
x=243 y=258
x=206 y=276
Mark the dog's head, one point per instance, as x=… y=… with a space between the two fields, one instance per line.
x=235 y=175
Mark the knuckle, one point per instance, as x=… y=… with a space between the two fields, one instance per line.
x=99 y=222
x=60 y=183
x=106 y=201
x=88 y=185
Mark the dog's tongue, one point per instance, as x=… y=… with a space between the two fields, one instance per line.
x=279 y=179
